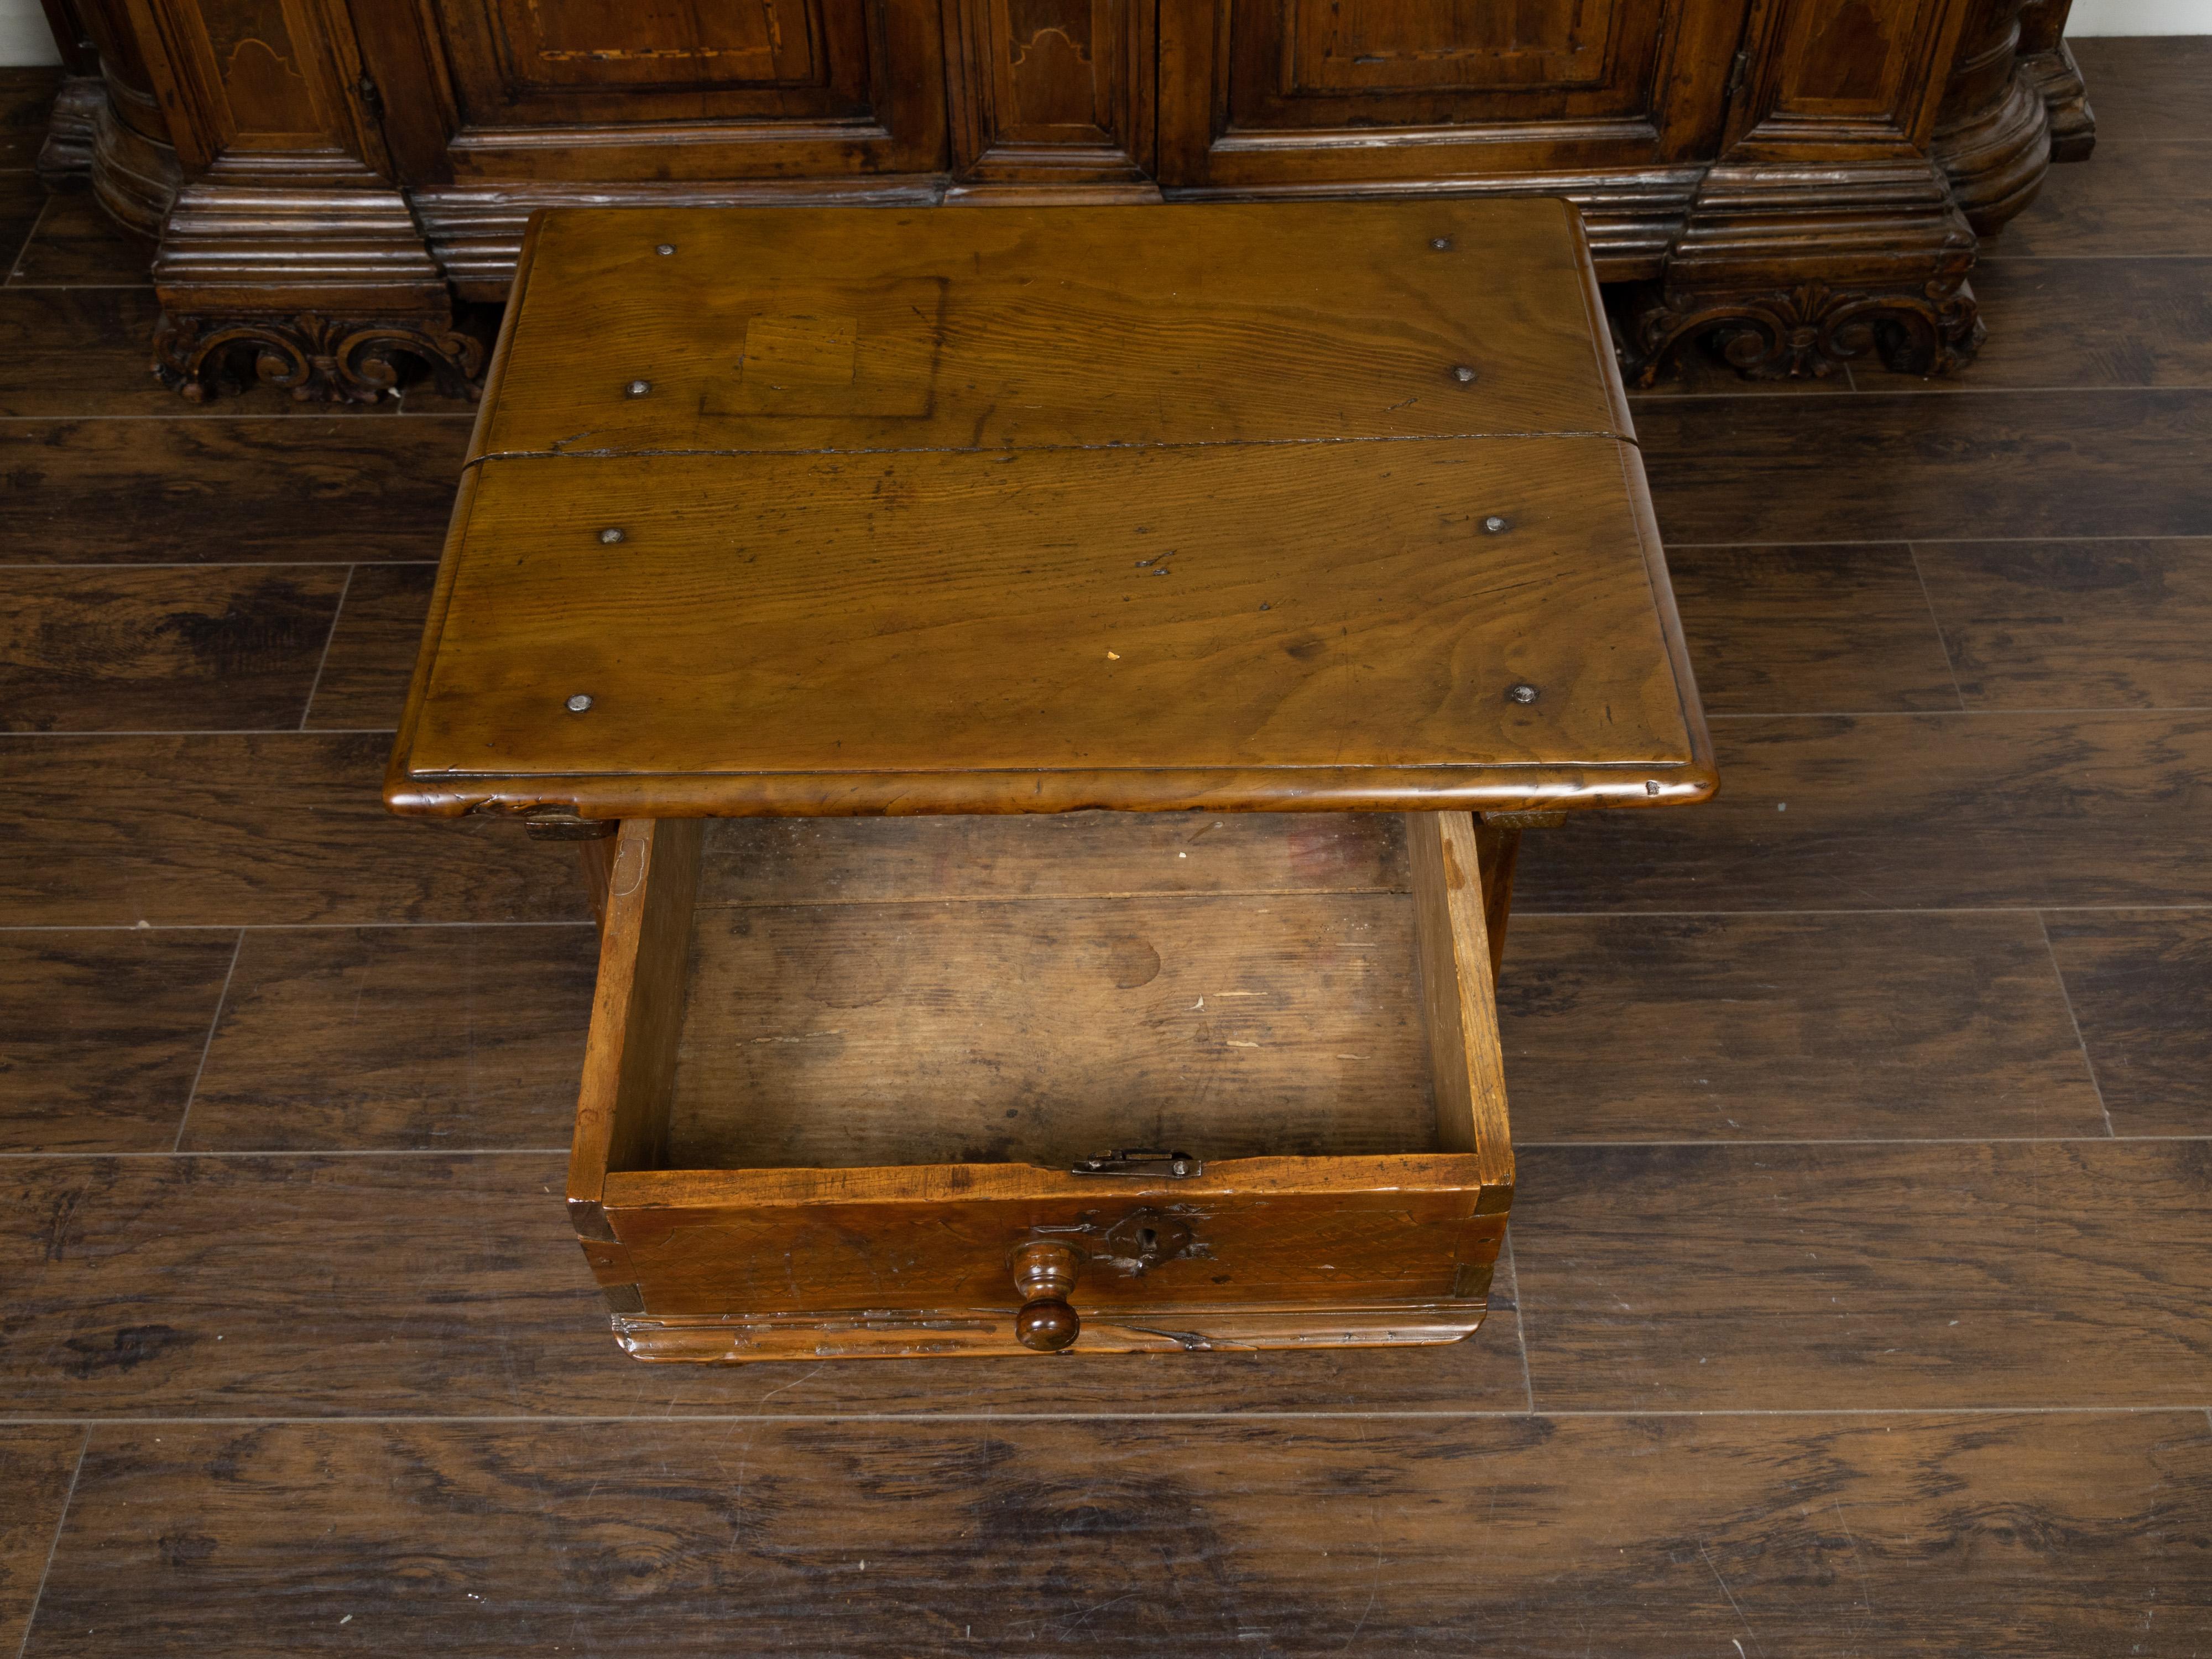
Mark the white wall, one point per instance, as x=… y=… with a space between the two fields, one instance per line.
x=24 y=36
x=2139 y=17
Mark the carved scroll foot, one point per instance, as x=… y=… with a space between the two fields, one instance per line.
x=1808 y=329
x=315 y=358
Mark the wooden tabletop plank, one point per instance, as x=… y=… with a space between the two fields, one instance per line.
x=1324 y=506
x=1226 y=626
x=809 y=329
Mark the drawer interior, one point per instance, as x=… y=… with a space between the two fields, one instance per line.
x=1037 y=990
x=909 y=1010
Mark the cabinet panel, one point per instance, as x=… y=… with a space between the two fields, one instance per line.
x=676 y=89
x=1421 y=63
x=515 y=60
x=1052 y=93
x=1267 y=93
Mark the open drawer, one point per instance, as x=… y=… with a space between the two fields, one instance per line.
x=989 y=1085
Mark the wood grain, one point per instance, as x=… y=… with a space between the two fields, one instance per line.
x=2139 y=983
x=2147 y=86
x=2013 y=464
x=388 y=1038
x=2111 y=624
x=2120 y=322
x=1296 y=621
x=2047 y=1273
x=1886 y=812
x=227 y=490
x=364 y=681
x=1763 y=1028
x=1048 y=1030
x=1910 y=1535
x=809 y=329
x=170 y=649
x=101 y=1034
x=284 y=828
x=453 y=1286
x=2132 y=197
x=38 y=1465
x=78 y=242
x=1809 y=630
x=1061 y=855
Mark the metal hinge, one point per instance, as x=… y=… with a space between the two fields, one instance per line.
x=371 y=99
x=1175 y=1166
x=1736 y=72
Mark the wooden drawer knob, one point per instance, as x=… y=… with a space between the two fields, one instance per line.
x=1044 y=1274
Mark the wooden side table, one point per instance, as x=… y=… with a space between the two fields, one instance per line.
x=1215 y=517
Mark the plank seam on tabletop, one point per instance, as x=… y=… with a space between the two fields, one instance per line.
x=1942 y=643
x=214 y=1021
x=2074 y=1020
x=338 y=612
x=53 y=1548
x=1516 y=433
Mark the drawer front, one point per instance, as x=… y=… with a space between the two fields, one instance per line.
x=1296 y=1249
x=1153 y=1273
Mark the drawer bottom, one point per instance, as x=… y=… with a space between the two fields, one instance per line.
x=736 y=1338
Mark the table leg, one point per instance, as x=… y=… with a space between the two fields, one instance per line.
x=1499 y=845
x=595 y=840
x=597 y=858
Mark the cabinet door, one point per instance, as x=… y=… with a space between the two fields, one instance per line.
x=677 y=89
x=1283 y=91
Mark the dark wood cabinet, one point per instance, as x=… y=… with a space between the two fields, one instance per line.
x=1798 y=182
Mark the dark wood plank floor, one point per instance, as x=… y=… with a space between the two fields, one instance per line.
x=1856 y=1295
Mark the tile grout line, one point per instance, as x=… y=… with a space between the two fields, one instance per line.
x=1530 y=915
x=1942 y=643
x=1940 y=541
x=214 y=1021
x=1710 y=1142
x=220 y=564
x=2074 y=1020
x=30 y=236
x=53 y=1549
x=1519 y=1318
x=1501 y=1414
x=337 y=612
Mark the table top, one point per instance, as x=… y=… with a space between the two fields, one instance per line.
x=1232 y=507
